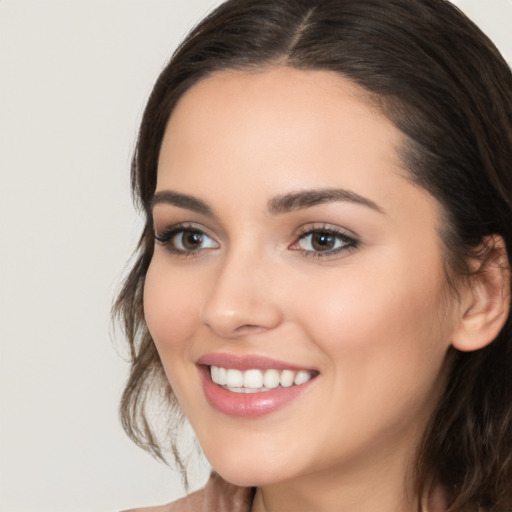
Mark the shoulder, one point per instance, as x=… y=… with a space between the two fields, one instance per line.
x=217 y=496
x=191 y=503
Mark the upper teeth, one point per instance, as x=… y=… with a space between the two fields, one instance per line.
x=243 y=381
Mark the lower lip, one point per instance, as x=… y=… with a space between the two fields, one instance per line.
x=248 y=405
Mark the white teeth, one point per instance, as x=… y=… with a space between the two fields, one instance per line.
x=287 y=378
x=215 y=374
x=252 y=381
x=218 y=375
x=301 y=377
x=234 y=378
x=271 y=379
x=246 y=390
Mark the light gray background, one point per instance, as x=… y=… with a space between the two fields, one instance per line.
x=74 y=77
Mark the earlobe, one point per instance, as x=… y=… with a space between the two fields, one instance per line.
x=486 y=299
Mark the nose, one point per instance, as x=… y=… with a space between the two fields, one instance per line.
x=242 y=299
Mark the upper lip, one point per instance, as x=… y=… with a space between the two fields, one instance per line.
x=247 y=362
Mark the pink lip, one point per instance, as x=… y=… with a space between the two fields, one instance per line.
x=247 y=405
x=246 y=362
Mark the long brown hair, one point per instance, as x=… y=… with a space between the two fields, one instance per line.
x=442 y=82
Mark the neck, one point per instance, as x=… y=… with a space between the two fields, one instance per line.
x=380 y=483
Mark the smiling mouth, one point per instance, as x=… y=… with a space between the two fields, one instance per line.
x=251 y=386
x=258 y=381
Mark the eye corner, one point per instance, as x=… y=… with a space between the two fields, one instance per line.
x=332 y=241
x=173 y=239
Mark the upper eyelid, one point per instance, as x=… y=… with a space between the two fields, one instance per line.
x=173 y=229
x=309 y=227
x=163 y=223
x=301 y=232
x=192 y=226
x=351 y=239
x=335 y=232
x=165 y=237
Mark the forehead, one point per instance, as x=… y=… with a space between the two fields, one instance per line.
x=275 y=97
x=279 y=130
x=265 y=117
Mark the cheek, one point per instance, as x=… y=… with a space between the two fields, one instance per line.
x=384 y=326
x=385 y=349
x=169 y=307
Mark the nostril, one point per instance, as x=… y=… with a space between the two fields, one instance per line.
x=249 y=329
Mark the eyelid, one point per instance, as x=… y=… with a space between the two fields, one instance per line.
x=325 y=226
x=170 y=227
x=165 y=236
x=350 y=240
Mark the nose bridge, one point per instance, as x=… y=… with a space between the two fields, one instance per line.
x=241 y=296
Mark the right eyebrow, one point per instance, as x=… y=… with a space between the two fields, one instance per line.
x=182 y=201
x=309 y=198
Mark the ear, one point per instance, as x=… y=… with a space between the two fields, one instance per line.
x=486 y=298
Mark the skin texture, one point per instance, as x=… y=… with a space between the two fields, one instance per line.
x=374 y=320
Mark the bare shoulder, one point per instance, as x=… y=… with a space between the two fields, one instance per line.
x=190 y=503
x=161 y=508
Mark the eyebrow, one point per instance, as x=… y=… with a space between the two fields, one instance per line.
x=182 y=201
x=308 y=198
x=285 y=203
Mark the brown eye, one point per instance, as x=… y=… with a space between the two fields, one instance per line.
x=323 y=241
x=190 y=240
x=185 y=240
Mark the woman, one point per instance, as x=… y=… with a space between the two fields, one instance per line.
x=322 y=286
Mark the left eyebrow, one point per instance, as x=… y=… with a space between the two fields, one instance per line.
x=308 y=198
x=181 y=201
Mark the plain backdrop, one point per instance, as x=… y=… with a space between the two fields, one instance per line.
x=74 y=77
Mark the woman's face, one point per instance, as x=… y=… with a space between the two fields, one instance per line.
x=290 y=245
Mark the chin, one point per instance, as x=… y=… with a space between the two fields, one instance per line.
x=249 y=471
x=249 y=477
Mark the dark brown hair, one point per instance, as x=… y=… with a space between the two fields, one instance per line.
x=442 y=82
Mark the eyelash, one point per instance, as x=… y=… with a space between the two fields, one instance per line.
x=348 y=242
x=165 y=238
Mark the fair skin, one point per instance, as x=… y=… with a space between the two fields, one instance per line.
x=368 y=312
